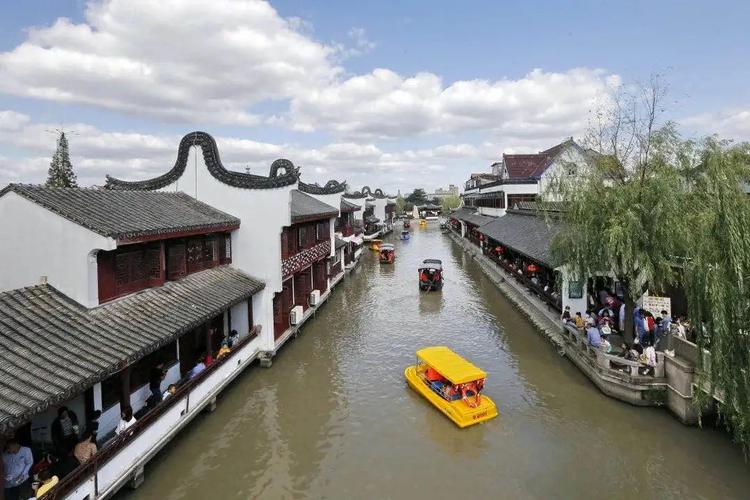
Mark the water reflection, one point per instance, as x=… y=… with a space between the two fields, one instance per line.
x=333 y=417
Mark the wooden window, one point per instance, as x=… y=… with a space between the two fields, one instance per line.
x=322 y=231
x=176 y=263
x=225 y=248
x=302 y=237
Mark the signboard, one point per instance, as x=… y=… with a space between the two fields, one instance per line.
x=655 y=305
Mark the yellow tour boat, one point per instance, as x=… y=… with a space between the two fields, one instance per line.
x=375 y=245
x=422 y=222
x=452 y=384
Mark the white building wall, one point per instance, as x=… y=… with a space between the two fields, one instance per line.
x=571 y=157
x=46 y=244
x=256 y=245
x=360 y=202
x=330 y=199
x=379 y=210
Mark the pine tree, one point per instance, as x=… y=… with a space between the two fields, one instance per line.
x=61 y=172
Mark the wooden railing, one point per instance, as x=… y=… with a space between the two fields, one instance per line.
x=84 y=471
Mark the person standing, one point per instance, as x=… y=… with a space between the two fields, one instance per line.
x=126 y=420
x=17 y=461
x=64 y=431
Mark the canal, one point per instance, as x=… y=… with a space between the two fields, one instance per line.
x=333 y=418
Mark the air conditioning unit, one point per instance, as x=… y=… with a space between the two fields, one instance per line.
x=295 y=316
x=314 y=297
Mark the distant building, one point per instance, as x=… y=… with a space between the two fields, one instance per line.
x=444 y=193
x=521 y=178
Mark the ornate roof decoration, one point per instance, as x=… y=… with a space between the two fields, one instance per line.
x=331 y=187
x=282 y=173
x=366 y=192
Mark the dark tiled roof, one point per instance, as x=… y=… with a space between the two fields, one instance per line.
x=525 y=233
x=126 y=214
x=52 y=348
x=349 y=207
x=471 y=217
x=339 y=243
x=207 y=144
x=525 y=166
x=536 y=206
x=331 y=187
x=305 y=207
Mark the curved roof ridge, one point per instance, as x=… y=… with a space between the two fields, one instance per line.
x=331 y=187
x=215 y=167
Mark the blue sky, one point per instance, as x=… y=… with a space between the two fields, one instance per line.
x=397 y=94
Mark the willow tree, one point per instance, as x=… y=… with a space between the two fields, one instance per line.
x=717 y=279
x=624 y=214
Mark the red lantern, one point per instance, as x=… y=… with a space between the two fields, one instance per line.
x=499 y=249
x=532 y=268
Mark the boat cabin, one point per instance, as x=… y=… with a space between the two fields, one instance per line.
x=405 y=235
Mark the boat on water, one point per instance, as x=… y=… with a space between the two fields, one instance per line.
x=452 y=384
x=407 y=224
x=431 y=217
x=405 y=235
x=387 y=253
x=422 y=222
x=431 y=275
x=375 y=245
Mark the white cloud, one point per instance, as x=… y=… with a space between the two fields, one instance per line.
x=728 y=124
x=385 y=104
x=185 y=60
x=130 y=155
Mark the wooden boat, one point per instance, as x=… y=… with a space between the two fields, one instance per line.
x=375 y=245
x=431 y=275
x=458 y=392
x=387 y=253
x=407 y=224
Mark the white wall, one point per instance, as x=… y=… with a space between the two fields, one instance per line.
x=330 y=199
x=571 y=155
x=39 y=243
x=576 y=304
x=41 y=423
x=256 y=246
x=360 y=202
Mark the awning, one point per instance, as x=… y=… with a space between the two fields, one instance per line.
x=450 y=365
x=526 y=233
x=52 y=348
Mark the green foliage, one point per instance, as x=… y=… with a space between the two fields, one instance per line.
x=628 y=222
x=449 y=203
x=717 y=279
x=400 y=204
x=417 y=197
x=61 y=172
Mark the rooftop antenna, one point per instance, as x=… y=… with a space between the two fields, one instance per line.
x=60 y=130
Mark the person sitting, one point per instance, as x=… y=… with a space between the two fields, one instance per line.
x=223 y=350
x=234 y=338
x=565 y=316
x=86 y=448
x=198 y=368
x=126 y=420
x=170 y=391
x=579 y=321
x=45 y=483
x=593 y=336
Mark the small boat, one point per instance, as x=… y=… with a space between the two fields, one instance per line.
x=375 y=245
x=405 y=235
x=407 y=224
x=452 y=384
x=431 y=275
x=422 y=222
x=387 y=253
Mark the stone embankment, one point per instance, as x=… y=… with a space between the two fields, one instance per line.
x=670 y=383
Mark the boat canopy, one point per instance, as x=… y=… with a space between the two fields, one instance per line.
x=431 y=264
x=387 y=246
x=450 y=365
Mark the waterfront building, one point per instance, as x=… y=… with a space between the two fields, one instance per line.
x=441 y=193
x=523 y=177
x=104 y=288
x=378 y=211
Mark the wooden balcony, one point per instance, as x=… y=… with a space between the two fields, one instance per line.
x=305 y=258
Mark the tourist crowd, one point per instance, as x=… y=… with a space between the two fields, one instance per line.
x=73 y=445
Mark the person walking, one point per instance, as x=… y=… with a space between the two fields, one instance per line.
x=17 y=461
